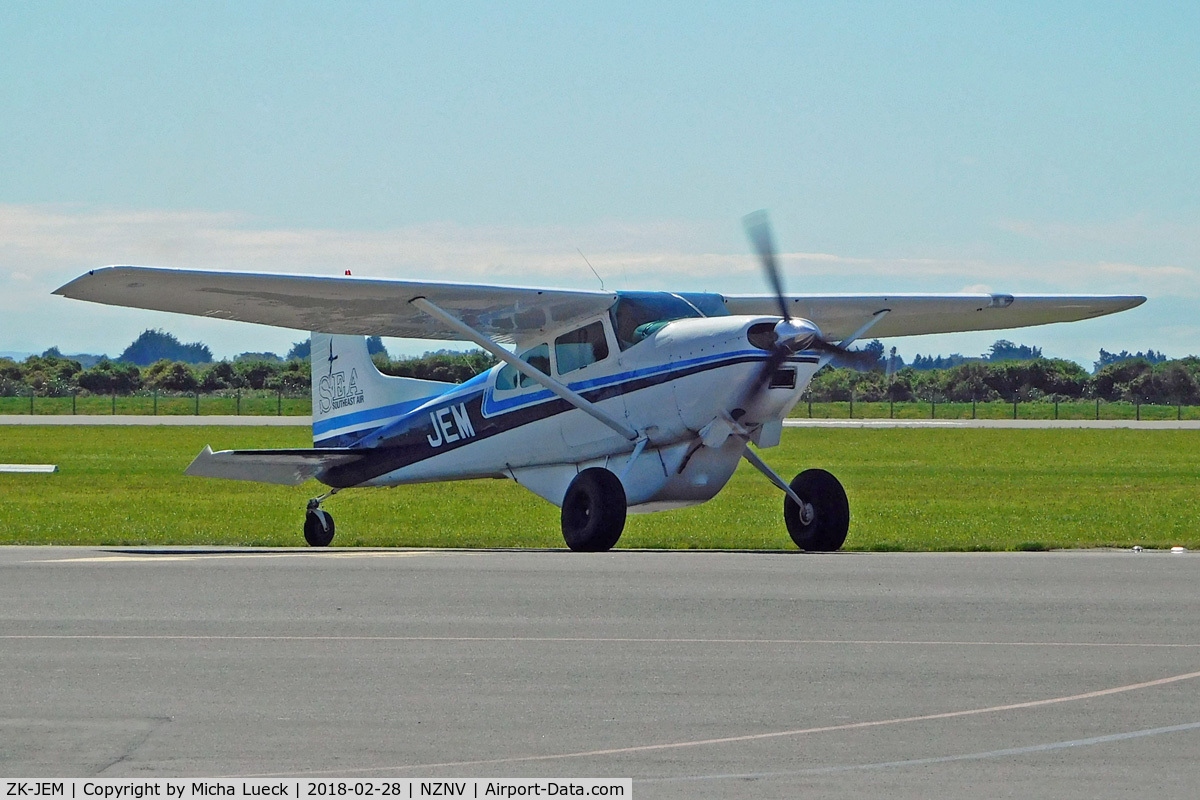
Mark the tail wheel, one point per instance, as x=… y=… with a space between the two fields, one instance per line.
x=593 y=511
x=318 y=527
x=822 y=522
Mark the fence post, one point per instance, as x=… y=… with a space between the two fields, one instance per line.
x=197 y=404
x=74 y=394
x=932 y=407
x=1056 y=408
x=973 y=401
x=810 y=405
x=239 y=401
x=851 y=404
x=1137 y=407
x=891 y=408
x=279 y=404
x=1014 y=406
x=114 y=402
x=1097 y=408
x=1179 y=411
x=156 y=402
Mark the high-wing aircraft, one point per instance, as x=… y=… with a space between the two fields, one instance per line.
x=608 y=402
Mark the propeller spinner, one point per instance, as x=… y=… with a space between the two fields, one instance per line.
x=792 y=335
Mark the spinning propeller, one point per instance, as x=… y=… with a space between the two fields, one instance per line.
x=792 y=335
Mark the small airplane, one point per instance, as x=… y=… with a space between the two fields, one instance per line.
x=608 y=402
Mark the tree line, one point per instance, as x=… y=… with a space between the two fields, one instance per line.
x=1135 y=380
x=54 y=375
x=999 y=374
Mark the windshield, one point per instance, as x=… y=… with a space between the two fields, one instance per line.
x=636 y=315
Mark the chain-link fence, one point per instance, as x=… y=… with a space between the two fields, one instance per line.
x=1045 y=409
x=249 y=402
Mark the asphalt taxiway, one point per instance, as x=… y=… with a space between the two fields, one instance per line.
x=1064 y=675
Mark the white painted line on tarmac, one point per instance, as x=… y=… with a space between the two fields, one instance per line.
x=922 y=762
x=1019 y=424
x=150 y=419
x=586 y=640
x=750 y=737
x=160 y=558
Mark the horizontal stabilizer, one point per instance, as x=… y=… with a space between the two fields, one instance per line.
x=287 y=467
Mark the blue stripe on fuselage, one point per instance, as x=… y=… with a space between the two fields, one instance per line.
x=391 y=411
x=491 y=407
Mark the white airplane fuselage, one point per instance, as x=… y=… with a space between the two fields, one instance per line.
x=684 y=380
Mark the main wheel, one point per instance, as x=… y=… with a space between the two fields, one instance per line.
x=823 y=521
x=318 y=528
x=593 y=511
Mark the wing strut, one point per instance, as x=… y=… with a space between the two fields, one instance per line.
x=572 y=397
x=878 y=315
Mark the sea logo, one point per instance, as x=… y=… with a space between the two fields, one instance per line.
x=334 y=392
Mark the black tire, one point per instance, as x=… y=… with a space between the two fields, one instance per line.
x=826 y=531
x=593 y=511
x=318 y=527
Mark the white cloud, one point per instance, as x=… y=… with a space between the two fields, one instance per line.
x=42 y=247
x=1177 y=241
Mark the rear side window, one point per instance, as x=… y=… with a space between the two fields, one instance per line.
x=537 y=357
x=581 y=347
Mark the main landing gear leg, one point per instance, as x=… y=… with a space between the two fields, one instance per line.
x=318 y=523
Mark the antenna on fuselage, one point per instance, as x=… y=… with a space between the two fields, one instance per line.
x=593 y=269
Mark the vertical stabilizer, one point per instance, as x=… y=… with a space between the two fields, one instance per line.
x=351 y=398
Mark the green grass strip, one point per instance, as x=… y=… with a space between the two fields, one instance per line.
x=972 y=489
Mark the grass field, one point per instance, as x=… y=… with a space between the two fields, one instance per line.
x=909 y=490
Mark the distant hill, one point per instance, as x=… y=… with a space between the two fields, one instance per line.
x=86 y=360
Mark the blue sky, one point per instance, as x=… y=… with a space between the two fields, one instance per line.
x=899 y=147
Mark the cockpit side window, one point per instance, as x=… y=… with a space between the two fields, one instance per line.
x=577 y=349
x=537 y=357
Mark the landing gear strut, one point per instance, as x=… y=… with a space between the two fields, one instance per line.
x=318 y=523
x=822 y=521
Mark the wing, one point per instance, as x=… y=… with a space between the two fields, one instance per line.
x=287 y=467
x=840 y=315
x=365 y=307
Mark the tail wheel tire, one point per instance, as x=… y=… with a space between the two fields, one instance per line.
x=318 y=528
x=822 y=524
x=593 y=511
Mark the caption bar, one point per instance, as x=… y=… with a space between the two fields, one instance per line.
x=192 y=789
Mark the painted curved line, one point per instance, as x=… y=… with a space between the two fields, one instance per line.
x=750 y=737
x=921 y=762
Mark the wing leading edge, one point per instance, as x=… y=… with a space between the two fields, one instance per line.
x=356 y=306
x=380 y=307
x=917 y=314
